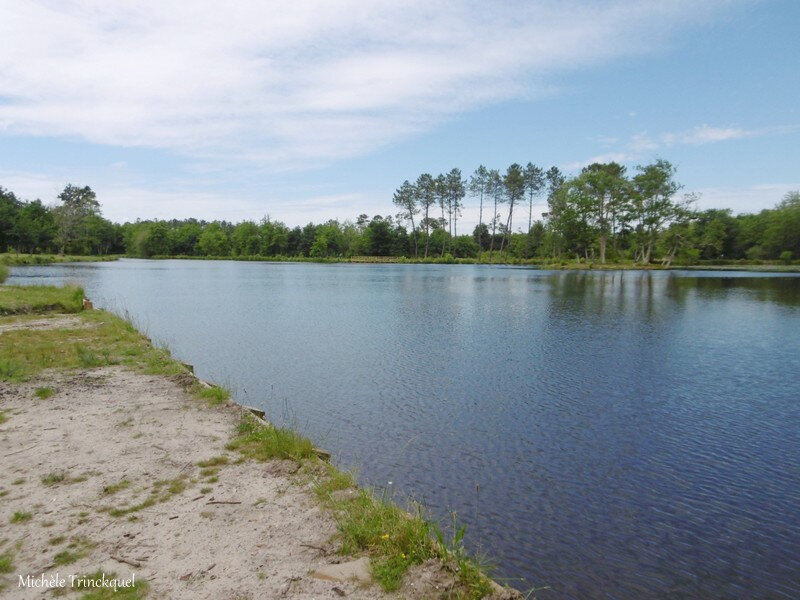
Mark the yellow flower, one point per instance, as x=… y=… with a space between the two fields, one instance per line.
x=385 y=536
x=402 y=555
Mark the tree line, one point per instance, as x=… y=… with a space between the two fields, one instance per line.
x=602 y=214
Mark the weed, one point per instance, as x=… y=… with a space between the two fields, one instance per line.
x=206 y=490
x=57 y=540
x=19 y=481
x=214 y=462
x=116 y=487
x=3 y=417
x=162 y=491
x=54 y=478
x=6 y=562
x=21 y=517
x=76 y=550
x=43 y=393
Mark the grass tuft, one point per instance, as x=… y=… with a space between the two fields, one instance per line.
x=54 y=478
x=21 y=517
x=264 y=442
x=214 y=462
x=6 y=562
x=214 y=395
x=162 y=491
x=76 y=550
x=43 y=393
x=112 y=489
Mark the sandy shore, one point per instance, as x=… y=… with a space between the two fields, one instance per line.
x=127 y=475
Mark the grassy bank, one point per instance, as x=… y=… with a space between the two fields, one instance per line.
x=12 y=259
x=368 y=522
x=498 y=259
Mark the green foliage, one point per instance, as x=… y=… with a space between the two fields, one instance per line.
x=3 y=273
x=786 y=257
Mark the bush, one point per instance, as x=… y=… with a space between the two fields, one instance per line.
x=786 y=257
x=3 y=273
x=756 y=253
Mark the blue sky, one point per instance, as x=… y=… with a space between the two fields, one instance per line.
x=321 y=109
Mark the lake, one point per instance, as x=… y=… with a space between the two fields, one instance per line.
x=624 y=435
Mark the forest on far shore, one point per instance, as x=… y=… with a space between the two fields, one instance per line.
x=603 y=214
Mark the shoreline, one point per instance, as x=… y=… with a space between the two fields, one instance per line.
x=11 y=260
x=120 y=461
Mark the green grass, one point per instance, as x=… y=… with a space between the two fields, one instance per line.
x=395 y=539
x=14 y=259
x=217 y=461
x=264 y=442
x=138 y=591
x=17 y=299
x=43 y=393
x=75 y=550
x=102 y=339
x=161 y=492
x=21 y=517
x=54 y=478
x=214 y=395
x=3 y=417
x=112 y=489
x=6 y=562
x=3 y=273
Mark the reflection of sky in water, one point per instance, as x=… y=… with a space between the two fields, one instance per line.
x=630 y=434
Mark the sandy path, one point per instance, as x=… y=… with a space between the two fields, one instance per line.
x=109 y=425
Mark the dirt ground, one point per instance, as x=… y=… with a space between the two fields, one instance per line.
x=110 y=440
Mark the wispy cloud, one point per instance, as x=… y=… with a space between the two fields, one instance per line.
x=641 y=144
x=280 y=84
x=706 y=134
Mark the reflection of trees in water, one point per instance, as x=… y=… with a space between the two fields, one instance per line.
x=780 y=290
x=607 y=291
x=646 y=291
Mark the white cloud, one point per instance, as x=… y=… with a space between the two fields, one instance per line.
x=122 y=202
x=641 y=145
x=706 y=134
x=283 y=84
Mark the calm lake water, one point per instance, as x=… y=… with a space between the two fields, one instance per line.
x=622 y=435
